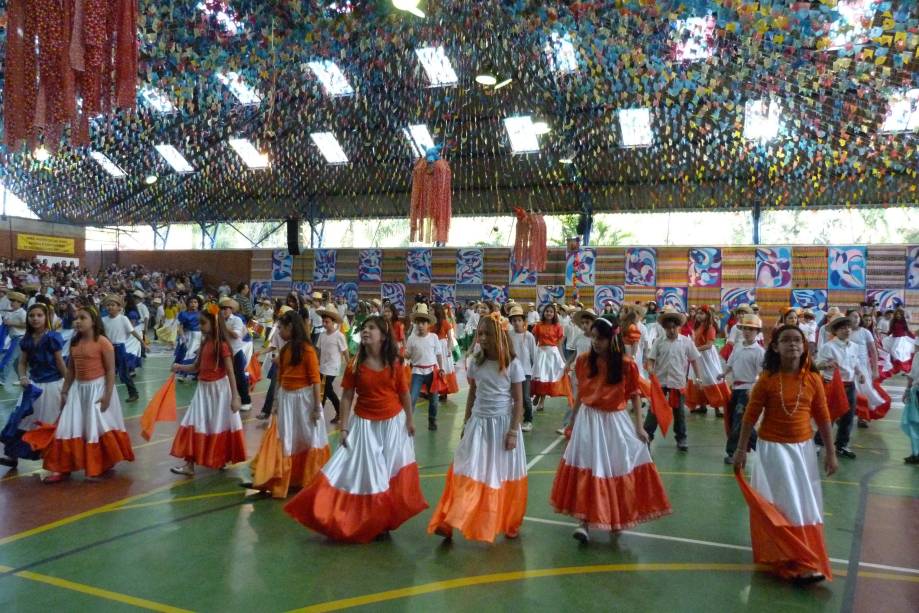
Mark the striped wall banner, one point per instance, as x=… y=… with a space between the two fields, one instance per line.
x=808 y=266
x=705 y=295
x=555 y=268
x=912 y=304
x=260 y=264
x=525 y=294
x=846 y=298
x=497 y=265
x=637 y=293
x=771 y=301
x=467 y=292
x=303 y=267
x=738 y=268
x=672 y=266
x=610 y=266
x=585 y=294
x=346 y=265
x=394 y=265
x=885 y=267
x=443 y=266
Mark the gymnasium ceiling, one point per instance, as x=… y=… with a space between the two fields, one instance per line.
x=831 y=148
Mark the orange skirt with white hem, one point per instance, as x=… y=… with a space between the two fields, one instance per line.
x=294 y=448
x=87 y=438
x=369 y=487
x=606 y=477
x=486 y=489
x=210 y=433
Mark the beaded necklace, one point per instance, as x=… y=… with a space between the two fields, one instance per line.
x=797 y=399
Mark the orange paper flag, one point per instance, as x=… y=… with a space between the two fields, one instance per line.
x=39 y=438
x=255 y=372
x=162 y=407
x=660 y=406
x=836 y=400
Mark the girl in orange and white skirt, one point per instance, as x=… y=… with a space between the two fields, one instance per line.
x=371 y=484
x=211 y=431
x=90 y=434
x=606 y=477
x=296 y=444
x=486 y=490
x=548 y=366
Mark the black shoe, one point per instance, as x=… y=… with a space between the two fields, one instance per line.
x=808 y=579
x=263 y=416
x=728 y=460
x=682 y=446
x=335 y=420
x=913 y=459
x=134 y=398
x=442 y=398
x=862 y=423
x=699 y=411
x=719 y=414
x=432 y=425
x=246 y=485
x=845 y=452
x=11 y=462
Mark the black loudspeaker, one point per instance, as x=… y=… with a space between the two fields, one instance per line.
x=293 y=236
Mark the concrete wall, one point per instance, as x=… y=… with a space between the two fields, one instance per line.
x=11 y=226
x=231 y=265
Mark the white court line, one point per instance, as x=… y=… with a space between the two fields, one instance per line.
x=677 y=539
x=543 y=453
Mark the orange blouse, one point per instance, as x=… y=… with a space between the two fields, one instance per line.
x=87 y=358
x=596 y=393
x=700 y=338
x=443 y=330
x=378 y=391
x=303 y=374
x=632 y=335
x=548 y=334
x=777 y=425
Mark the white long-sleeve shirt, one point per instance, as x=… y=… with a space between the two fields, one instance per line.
x=844 y=354
x=525 y=349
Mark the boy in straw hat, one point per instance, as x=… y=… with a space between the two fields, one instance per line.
x=239 y=338
x=15 y=322
x=422 y=350
x=744 y=366
x=333 y=352
x=669 y=360
x=315 y=320
x=525 y=349
x=841 y=353
x=808 y=325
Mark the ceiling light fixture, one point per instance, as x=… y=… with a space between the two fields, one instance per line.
x=249 y=154
x=541 y=127
x=409 y=6
x=485 y=79
x=150 y=179
x=41 y=154
x=504 y=83
x=108 y=165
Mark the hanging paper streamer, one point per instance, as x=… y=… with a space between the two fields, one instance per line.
x=348 y=291
x=370 y=266
x=432 y=198
x=813 y=299
x=579 y=267
x=846 y=268
x=886 y=299
x=418 y=266
x=546 y=294
x=443 y=293
x=530 y=240
x=520 y=275
x=773 y=267
x=470 y=267
x=282 y=265
x=672 y=296
x=640 y=266
x=496 y=293
x=608 y=293
x=705 y=267
x=324 y=266
x=395 y=293
x=912 y=268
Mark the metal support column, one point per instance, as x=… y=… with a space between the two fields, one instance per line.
x=160 y=235
x=208 y=234
x=316 y=223
x=756 y=220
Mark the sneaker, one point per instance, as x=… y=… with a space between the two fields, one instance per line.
x=581 y=534
x=808 y=579
x=527 y=426
x=133 y=398
x=11 y=462
x=728 y=460
x=263 y=416
x=246 y=408
x=913 y=459
x=682 y=446
x=184 y=469
x=862 y=423
x=442 y=397
x=432 y=426
x=247 y=485
x=335 y=420
x=560 y=432
x=845 y=452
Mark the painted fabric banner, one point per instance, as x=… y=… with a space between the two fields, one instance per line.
x=731 y=298
x=470 y=267
x=672 y=296
x=521 y=276
x=395 y=293
x=912 y=268
x=773 y=267
x=641 y=266
x=886 y=299
x=608 y=293
x=324 y=266
x=704 y=267
x=846 y=268
x=370 y=266
x=349 y=292
x=418 y=266
x=813 y=299
x=546 y=294
x=495 y=293
x=282 y=265
x=443 y=293
x=579 y=267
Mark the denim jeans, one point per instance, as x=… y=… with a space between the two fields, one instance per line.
x=329 y=393
x=272 y=385
x=527 y=400
x=739 y=400
x=679 y=420
x=242 y=382
x=844 y=423
x=417 y=381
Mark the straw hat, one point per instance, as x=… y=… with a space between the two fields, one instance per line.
x=139 y=294
x=744 y=308
x=157 y=301
x=583 y=314
x=113 y=298
x=331 y=312
x=837 y=321
x=832 y=313
x=316 y=295
x=515 y=311
x=17 y=297
x=377 y=303
x=751 y=321
x=228 y=302
x=668 y=313
x=807 y=313
x=265 y=300
x=421 y=312
x=284 y=309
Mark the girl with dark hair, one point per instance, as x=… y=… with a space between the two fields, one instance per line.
x=211 y=431
x=708 y=388
x=189 y=334
x=41 y=367
x=606 y=477
x=90 y=434
x=345 y=501
x=549 y=367
x=443 y=328
x=490 y=461
x=785 y=481
x=297 y=429
x=900 y=344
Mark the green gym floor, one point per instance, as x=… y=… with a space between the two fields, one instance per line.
x=143 y=538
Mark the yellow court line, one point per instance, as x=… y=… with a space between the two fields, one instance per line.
x=82 y=588
x=887 y=576
x=144 y=505
x=461 y=582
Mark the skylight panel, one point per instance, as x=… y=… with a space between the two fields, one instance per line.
x=249 y=154
x=108 y=165
x=635 y=127
x=563 y=58
x=223 y=13
x=693 y=38
x=521 y=133
x=244 y=93
x=329 y=147
x=157 y=99
x=13 y=204
x=902 y=111
x=174 y=158
x=761 y=119
x=332 y=78
x=418 y=138
x=855 y=17
x=437 y=66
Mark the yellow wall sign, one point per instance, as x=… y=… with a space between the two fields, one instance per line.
x=45 y=244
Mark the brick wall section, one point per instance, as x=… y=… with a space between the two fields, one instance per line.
x=230 y=265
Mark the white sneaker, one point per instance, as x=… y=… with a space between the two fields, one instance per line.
x=245 y=408
x=581 y=534
x=527 y=426
x=560 y=432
